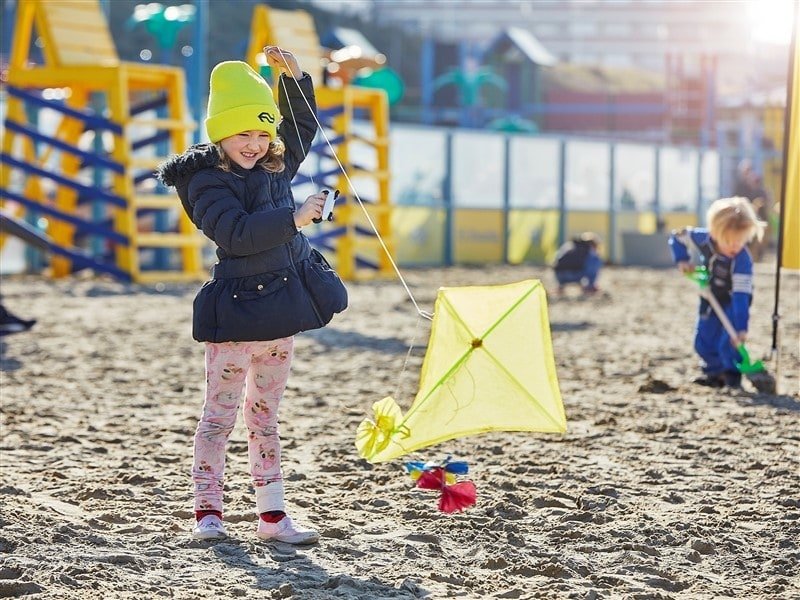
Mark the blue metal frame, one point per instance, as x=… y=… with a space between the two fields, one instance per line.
x=87 y=158
x=80 y=224
x=91 y=121
x=97 y=193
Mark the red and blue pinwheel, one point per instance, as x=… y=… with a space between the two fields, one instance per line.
x=455 y=496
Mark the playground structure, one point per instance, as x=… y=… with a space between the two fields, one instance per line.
x=93 y=176
x=92 y=179
x=357 y=250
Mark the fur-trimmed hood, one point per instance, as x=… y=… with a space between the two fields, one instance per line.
x=179 y=169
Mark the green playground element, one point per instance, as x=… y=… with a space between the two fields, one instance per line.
x=701 y=276
x=469 y=81
x=385 y=79
x=162 y=22
x=513 y=124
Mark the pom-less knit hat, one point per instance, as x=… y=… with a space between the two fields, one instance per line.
x=239 y=100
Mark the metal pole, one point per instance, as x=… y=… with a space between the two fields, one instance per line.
x=657 y=185
x=699 y=208
x=9 y=18
x=506 y=194
x=98 y=102
x=466 y=111
x=447 y=195
x=787 y=118
x=161 y=224
x=198 y=73
x=612 y=204
x=562 y=195
x=724 y=189
x=427 y=60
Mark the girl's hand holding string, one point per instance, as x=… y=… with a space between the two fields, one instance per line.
x=310 y=210
x=284 y=60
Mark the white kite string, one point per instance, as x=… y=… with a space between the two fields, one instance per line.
x=421 y=312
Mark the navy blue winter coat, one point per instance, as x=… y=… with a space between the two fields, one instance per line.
x=259 y=289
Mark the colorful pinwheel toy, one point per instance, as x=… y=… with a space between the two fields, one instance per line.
x=455 y=496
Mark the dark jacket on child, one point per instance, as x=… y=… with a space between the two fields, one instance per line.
x=258 y=290
x=572 y=255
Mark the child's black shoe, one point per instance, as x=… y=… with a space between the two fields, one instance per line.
x=712 y=381
x=732 y=379
x=11 y=323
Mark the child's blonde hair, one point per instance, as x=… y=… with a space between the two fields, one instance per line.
x=272 y=161
x=589 y=237
x=734 y=219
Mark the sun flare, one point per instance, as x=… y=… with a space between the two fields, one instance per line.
x=771 y=20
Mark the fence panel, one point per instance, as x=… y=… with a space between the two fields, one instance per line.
x=533 y=177
x=678 y=181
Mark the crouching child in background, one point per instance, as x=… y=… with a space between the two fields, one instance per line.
x=577 y=261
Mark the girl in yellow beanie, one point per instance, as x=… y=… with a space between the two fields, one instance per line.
x=237 y=190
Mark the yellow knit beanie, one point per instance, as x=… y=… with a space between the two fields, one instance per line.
x=239 y=100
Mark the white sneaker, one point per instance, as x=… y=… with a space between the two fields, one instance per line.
x=286 y=531
x=209 y=527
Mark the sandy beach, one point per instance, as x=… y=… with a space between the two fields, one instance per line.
x=659 y=488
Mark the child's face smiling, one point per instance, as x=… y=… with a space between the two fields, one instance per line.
x=247 y=147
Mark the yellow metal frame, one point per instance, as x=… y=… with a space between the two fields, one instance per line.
x=80 y=55
x=295 y=31
x=774 y=125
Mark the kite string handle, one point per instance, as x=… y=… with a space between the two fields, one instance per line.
x=422 y=313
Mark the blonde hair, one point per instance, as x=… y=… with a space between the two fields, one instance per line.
x=590 y=237
x=271 y=162
x=734 y=219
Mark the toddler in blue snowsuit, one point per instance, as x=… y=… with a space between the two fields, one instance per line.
x=722 y=248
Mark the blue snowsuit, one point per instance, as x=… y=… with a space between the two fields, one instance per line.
x=732 y=285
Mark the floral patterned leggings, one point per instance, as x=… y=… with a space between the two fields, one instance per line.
x=261 y=369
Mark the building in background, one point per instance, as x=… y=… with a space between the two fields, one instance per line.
x=615 y=33
x=717 y=68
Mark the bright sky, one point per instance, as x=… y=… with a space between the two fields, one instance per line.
x=772 y=20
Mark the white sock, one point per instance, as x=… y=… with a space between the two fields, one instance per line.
x=270 y=497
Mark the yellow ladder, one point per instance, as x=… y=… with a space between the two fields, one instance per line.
x=80 y=57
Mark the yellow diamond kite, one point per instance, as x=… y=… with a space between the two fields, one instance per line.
x=489 y=367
